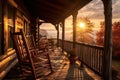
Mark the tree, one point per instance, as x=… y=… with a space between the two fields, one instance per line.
x=115 y=37
x=85 y=34
x=100 y=34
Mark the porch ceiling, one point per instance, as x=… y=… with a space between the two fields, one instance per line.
x=53 y=11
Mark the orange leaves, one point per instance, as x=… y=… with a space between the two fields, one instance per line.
x=115 y=37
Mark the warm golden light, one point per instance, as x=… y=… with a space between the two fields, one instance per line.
x=82 y=25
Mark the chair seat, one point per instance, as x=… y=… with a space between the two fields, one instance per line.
x=29 y=57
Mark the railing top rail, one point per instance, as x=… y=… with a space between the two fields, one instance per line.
x=90 y=45
x=86 y=44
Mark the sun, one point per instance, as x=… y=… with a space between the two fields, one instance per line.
x=82 y=25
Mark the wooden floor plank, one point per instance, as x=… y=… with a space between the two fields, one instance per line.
x=63 y=70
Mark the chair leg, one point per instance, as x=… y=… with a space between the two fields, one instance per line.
x=21 y=70
x=49 y=63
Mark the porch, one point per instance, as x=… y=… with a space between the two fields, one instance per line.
x=96 y=58
x=62 y=68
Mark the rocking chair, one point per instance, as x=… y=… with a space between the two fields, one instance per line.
x=29 y=57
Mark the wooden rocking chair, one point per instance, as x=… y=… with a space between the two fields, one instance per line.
x=29 y=56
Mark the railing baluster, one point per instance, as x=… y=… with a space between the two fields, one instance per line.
x=91 y=56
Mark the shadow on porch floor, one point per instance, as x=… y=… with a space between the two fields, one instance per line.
x=63 y=70
x=66 y=71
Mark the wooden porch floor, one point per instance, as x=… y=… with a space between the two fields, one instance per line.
x=63 y=70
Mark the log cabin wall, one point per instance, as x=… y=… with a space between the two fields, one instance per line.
x=0 y=27
x=12 y=18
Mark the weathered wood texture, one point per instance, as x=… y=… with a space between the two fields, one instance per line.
x=29 y=57
x=4 y=27
x=57 y=26
x=108 y=40
x=92 y=56
x=63 y=33
x=63 y=70
x=74 y=28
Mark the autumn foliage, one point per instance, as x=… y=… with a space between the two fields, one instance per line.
x=115 y=38
x=100 y=35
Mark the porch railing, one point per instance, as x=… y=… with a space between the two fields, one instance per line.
x=91 y=56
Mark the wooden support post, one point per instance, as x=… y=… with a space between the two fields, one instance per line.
x=107 y=66
x=33 y=27
x=38 y=26
x=4 y=26
x=63 y=34
x=74 y=29
x=57 y=28
x=57 y=35
x=37 y=31
x=1 y=27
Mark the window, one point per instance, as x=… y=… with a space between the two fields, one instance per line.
x=11 y=24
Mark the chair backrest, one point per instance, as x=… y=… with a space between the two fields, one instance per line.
x=27 y=53
x=22 y=49
x=31 y=44
x=31 y=41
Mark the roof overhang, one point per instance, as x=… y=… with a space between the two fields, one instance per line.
x=53 y=11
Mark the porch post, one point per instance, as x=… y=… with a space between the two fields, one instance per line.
x=74 y=29
x=57 y=28
x=33 y=27
x=37 y=31
x=57 y=35
x=63 y=34
x=38 y=26
x=108 y=40
x=4 y=40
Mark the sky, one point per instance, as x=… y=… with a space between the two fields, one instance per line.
x=94 y=11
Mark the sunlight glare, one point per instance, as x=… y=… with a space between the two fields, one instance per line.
x=82 y=25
